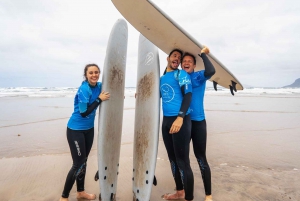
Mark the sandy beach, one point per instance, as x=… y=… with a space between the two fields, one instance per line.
x=253 y=149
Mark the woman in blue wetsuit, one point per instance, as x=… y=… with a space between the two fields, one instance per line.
x=176 y=93
x=80 y=130
x=199 y=134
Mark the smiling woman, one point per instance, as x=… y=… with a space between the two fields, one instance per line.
x=80 y=131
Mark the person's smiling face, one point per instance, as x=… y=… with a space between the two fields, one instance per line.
x=174 y=60
x=92 y=75
x=188 y=64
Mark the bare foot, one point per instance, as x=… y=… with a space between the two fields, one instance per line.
x=85 y=195
x=208 y=198
x=175 y=196
x=63 y=199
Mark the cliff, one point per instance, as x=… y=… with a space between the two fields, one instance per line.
x=295 y=84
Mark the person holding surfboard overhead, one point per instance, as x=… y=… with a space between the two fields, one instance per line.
x=80 y=130
x=176 y=94
x=199 y=133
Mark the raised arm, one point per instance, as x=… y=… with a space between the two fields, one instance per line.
x=208 y=66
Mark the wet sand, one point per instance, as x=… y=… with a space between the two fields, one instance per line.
x=253 y=149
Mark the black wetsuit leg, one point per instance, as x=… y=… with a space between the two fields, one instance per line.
x=199 y=138
x=80 y=143
x=177 y=146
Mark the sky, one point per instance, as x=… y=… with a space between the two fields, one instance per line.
x=47 y=43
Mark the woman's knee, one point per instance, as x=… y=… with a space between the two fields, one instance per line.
x=79 y=168
x=203 y=162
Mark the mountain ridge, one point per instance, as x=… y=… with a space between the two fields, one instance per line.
x=295 y=84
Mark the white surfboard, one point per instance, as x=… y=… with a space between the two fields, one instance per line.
x=162 y=31
x=146 y=128
x=111 y=111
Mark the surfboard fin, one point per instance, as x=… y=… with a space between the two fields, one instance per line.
x=113 y=197
x=215 y=85
x=233 y=85
x=154 y=181
x=96 y=176
x=231 y=90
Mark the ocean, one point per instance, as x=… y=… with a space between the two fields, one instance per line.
x=48 y=92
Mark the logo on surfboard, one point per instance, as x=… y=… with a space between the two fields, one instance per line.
x=149 y=59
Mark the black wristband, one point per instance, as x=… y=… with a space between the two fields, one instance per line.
x=181 y=114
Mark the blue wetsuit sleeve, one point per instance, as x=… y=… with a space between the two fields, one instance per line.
x=185 y=80
x=186 y=89
x=84 y=94
x=86 y=109
x=209 y=68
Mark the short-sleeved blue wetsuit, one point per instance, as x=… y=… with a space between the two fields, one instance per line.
x=175 y=89
x=172 y=85
x=80 y=133
x=199 y=83
x=85 y=96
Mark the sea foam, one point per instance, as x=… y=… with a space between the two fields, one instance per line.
x=48 y=92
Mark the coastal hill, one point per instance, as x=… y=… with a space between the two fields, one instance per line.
x=295 y=84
